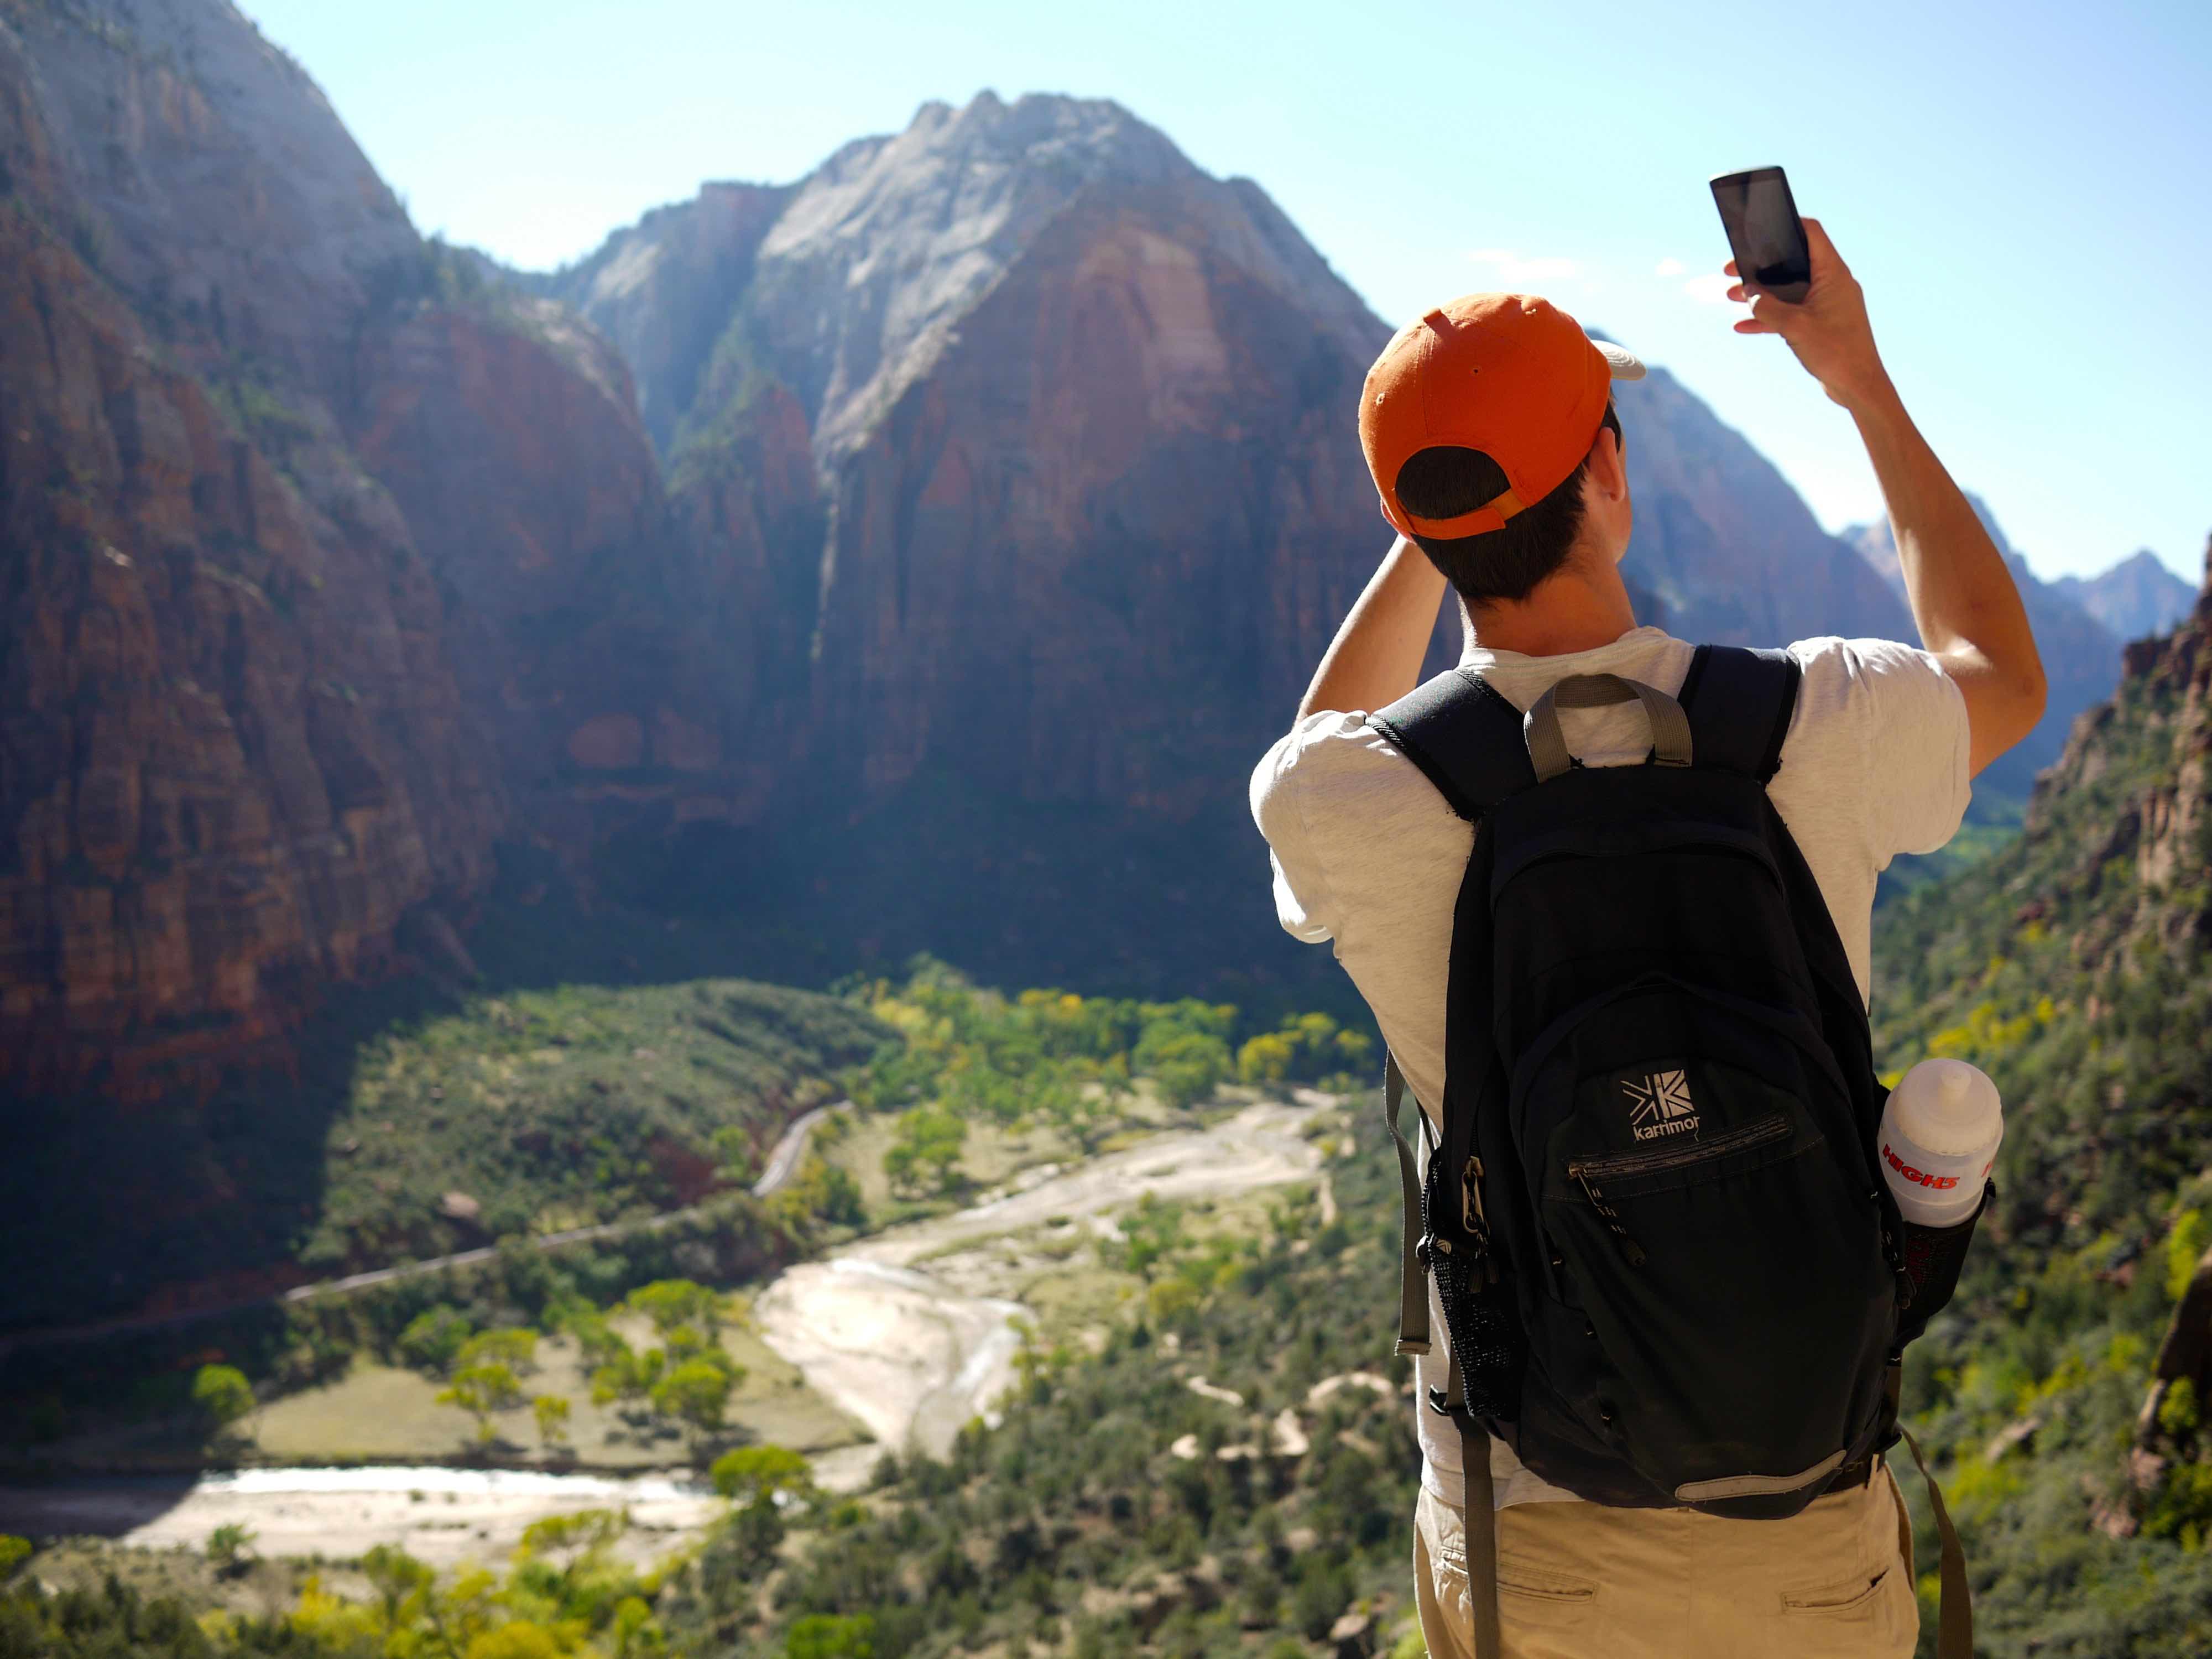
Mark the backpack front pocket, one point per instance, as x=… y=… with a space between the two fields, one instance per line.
x=1727 y=1263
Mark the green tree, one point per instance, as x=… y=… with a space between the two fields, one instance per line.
x=828 y=1191
x=752 y=1472
x=737 y=1162
x=698 y=1392
x=1184 y=1049
x=1267 y=1058
x=628 y=1376
x=227 y=1547
x=14 y=1551
x=221 y=1395
x=634 y=1631
x=929 y=1142
x=515 y=1348
x=597 y=1342
x=552 y=1413
x=830 y=1636
x=480 y=1390
x=433 y=1338
x=669 y=1303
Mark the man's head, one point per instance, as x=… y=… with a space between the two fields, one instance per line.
x=1490 y=431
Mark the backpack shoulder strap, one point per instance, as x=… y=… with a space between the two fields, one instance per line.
x=1739 y=703
x=1465 y=737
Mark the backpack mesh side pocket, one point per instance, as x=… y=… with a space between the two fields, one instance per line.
x=1481 y=1318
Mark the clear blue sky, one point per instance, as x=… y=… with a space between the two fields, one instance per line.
x=2022 y=188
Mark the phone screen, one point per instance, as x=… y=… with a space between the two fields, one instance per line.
x=1763 y=232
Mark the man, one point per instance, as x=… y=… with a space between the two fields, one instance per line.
x=1875 y=761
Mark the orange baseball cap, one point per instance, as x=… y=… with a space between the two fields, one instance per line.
x=1509 y=374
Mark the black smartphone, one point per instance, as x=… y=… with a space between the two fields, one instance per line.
x=1764 y=232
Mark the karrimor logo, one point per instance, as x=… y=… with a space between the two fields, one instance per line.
x=1660 y=1104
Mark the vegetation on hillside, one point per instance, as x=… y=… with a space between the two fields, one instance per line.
x=1069 y=1061
x=546 y=1109
x=2081 y=987
x=588 y=1063
x=1116 y=1507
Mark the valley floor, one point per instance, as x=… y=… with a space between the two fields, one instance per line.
x=893 y=1342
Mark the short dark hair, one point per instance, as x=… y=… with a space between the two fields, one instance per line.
x=1444 y=481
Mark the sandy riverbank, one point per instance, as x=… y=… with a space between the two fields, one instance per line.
x=909 y=1332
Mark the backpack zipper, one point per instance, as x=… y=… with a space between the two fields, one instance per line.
x=1472 y=1217
x=1589 y=1172
x=1629 y=1247
x=1676 y=1156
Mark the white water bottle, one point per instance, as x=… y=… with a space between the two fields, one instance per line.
x=1939 y=1138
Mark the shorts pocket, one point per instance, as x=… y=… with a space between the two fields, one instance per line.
x=1517 y=1576
x=1853 y=1597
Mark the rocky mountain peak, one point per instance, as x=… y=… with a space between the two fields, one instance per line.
x=182 y=147
x=2135 y=598
x=862 y=279
x=848 y=287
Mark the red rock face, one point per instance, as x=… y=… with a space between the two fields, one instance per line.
x=317 y=552
x=531 y=489
x=1094 y=556
x=234 y=755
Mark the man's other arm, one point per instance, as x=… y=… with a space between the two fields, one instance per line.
x=1375 y=657
x=1962 y=593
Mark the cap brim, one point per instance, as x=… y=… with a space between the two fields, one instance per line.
x=1626 y=365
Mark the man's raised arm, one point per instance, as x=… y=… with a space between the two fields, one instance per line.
x=1962 y=593
x=1375 y=657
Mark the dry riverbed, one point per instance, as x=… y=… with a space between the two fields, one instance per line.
x=892 y=1342
x=912 y=1331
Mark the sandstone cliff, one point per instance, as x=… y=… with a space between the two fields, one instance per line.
x=2164 y=830
x=234 y=756
x=1089 y=501
x=303 y=532
x=1011 y=451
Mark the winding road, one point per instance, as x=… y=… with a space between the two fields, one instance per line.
x=782 y=1161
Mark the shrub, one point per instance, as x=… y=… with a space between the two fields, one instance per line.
x=698 y=1392
x=221 y=1395
x=752 y=1472
x=434 y=1339
x=827 y=1636
x=480 y=1390
x=669 y=1303
x=928 y=1148
x=516 y=1349
x=552 y=1413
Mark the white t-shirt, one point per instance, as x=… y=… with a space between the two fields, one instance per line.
x=1367 y=853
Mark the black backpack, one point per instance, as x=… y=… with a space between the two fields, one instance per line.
x=1670 y=1268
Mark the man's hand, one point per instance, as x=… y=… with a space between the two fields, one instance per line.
x=1963 y=597
x=1829 y=330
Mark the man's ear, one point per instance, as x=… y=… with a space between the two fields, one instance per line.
x=1607 y=470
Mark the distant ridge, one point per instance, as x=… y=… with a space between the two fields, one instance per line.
x=2135 y=598
x=2080 y=655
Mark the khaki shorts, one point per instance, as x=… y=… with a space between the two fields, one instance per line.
x=1579 y=1581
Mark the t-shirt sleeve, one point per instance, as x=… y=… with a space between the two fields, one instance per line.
x=1303 y=902
x=1910 y=719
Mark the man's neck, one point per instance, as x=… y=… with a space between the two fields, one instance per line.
x=1578 y=607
